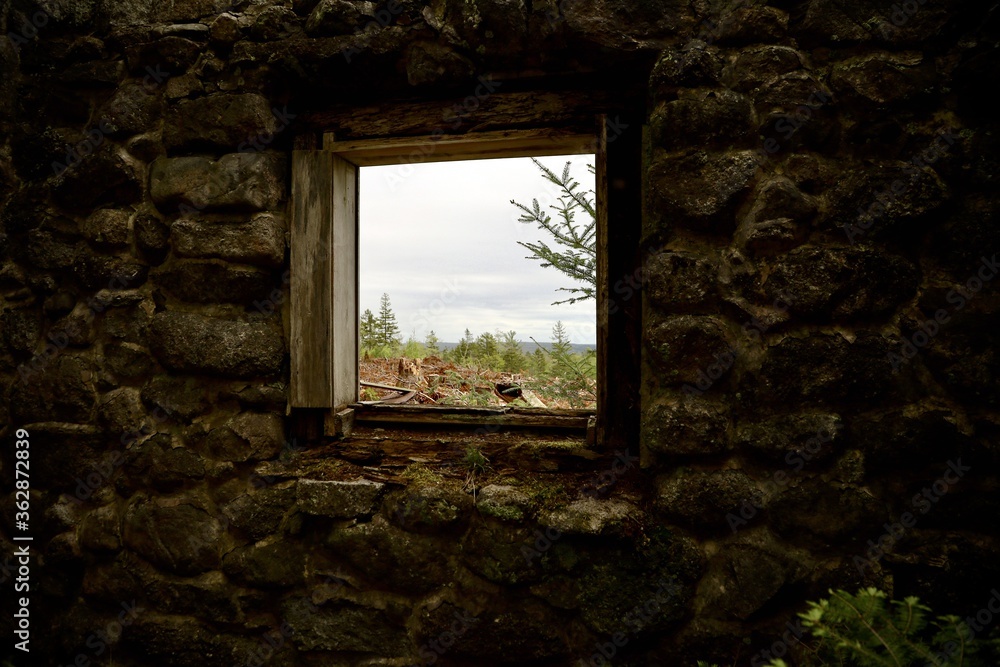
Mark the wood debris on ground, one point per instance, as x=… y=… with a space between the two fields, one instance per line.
x=440 y=382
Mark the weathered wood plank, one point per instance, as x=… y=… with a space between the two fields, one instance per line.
x=344 y=221
x=469 y=417
x=311 y=280
x=474 y=411
x=499 y=110
x=478 y=146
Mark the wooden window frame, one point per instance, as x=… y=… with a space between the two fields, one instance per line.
x=324 y=306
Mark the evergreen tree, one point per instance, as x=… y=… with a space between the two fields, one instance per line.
x=432 y=344
x=368 y=331
x=560 y=340
x=387 y=331
x=575 y=253
x=485 y=346
x=513 y=358
x=462 y=352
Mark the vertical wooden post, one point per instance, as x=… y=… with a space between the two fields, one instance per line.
x=323 y=289
x=619 y=310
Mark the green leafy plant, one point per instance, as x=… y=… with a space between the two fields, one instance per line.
x=868 y=629
x=477 y=464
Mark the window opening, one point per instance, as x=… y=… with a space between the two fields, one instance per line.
x=465 y=299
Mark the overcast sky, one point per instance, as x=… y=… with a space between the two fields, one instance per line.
x=441 y=239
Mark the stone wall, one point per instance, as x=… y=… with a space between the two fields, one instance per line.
x=820 y=373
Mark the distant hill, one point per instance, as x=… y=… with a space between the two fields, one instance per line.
x=529 y=347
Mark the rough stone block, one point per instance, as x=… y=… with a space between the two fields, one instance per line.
x=528 y=635
x=874 y=201
x=881 y=78
x=702 y=190
x=770 y=237
x=127 y=361
x=338 y=499
x=757 y=65
x=101 y=530
x=347 y=627
x=705 y=499
x=157 y=464
x=407 y=563
x=743 y=578
x=690 y=427
x=692 y=349
x=241 y=181
x=182 y=641
x=213 y=282
x=108 y=225
x=226 y=121
x=184 y=397
x=753 y=23
x=703 y=118
x=429 y=508
x=260 y=241
x=54 y=388
x=780 y=198
x=249 y=436
x=108 y=176
x=114 y=273
x=797 y=439
x=192 y=343
x=134 y=109
x=275 y=565
x=684 y=67
x=121 y=411
x=181 y=538
x=816 y=511
x=510 y=552
x=260 y=513
x=590 y=516
x=21 y=329
x=823 y=368
x=910 y=436
x=833 y=283
x=503 y=502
